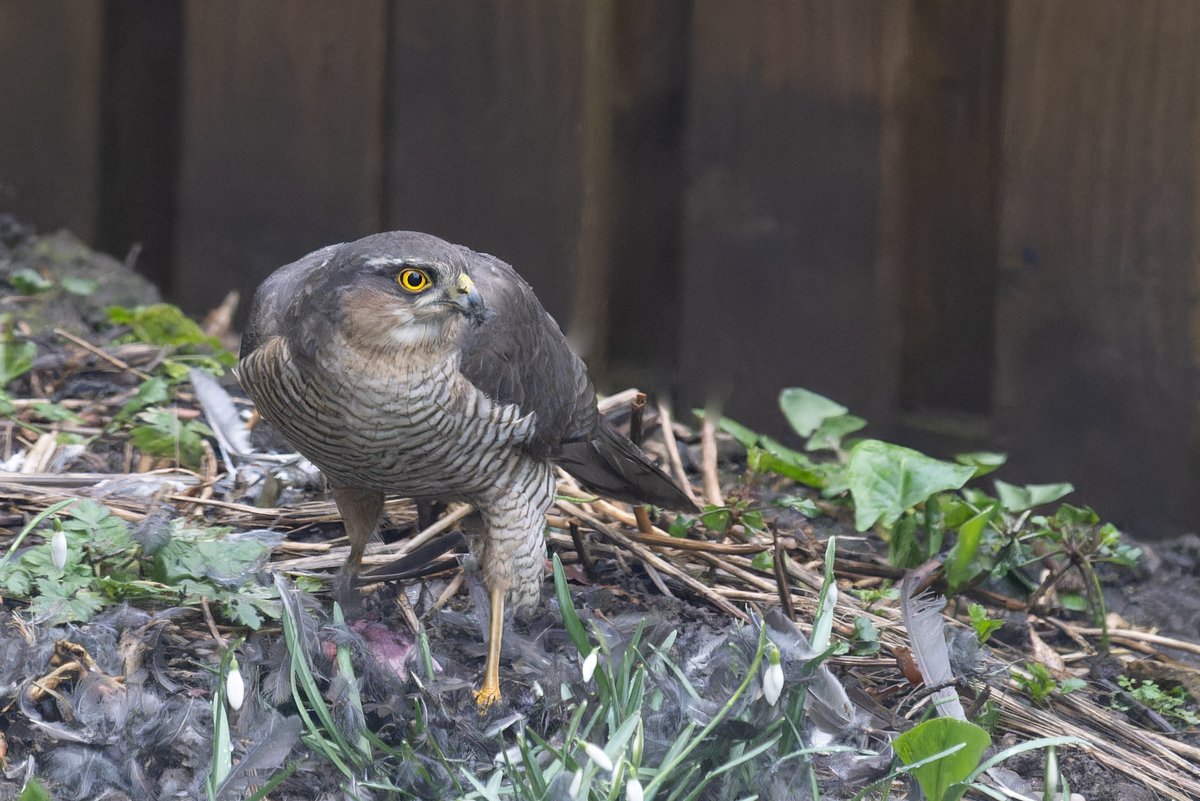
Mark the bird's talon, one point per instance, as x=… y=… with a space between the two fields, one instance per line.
x=486 y=697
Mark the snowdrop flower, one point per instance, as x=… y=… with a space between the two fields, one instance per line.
x=772 y=682
x=576 y=784
x=633 y=790
x=235 y=687
x=58 y=550
x=597 y=755
x=589 y=665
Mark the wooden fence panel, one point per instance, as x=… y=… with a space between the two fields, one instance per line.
x=282 y=136
x=781 y=233
x=50 y=67
x=1098 y=317
x=485 y=142
x=941 y=162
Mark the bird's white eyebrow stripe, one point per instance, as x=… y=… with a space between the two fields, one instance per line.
x=385 y=261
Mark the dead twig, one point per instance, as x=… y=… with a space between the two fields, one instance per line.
x=108 y=357
x=708 y=462
x=673 y=456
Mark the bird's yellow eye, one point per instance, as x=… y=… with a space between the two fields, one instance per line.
x=412 y=280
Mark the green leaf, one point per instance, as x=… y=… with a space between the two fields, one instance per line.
x=796 y=465
x=805 y=506
x=738 y=431
x=1017 y=499
x=717 y=519
x=223 y=560
x=866 y=637
x=960 y=563
x=566 y=608
x=78 y=285
x=29 y=282
x=984 y=462
x=806 y=410
x=829 y=434
x=54 y=412
x=886 y=480
x=161 y=324
x=16 y=359
x=34 y=791
x=164 y=434
x=150 y=392
x=934 y=736
x=984 y=626
x=763 y=561
x=681 y=525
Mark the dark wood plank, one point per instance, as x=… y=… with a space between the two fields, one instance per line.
x=781 y=237
x=647 y=184
x=485 y=132
x=50 y=59
x=1098 y=316
x=282 y=137
x=143 y=70
x=943 y=63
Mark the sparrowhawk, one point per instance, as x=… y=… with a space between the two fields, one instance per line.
x=404 y=364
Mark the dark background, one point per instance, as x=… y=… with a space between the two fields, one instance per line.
x=974 y=223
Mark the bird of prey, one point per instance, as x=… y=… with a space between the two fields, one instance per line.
x=404 y=364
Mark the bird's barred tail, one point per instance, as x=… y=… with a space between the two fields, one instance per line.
x=612 y=466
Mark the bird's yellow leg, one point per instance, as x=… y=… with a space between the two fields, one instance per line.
x=489 y=693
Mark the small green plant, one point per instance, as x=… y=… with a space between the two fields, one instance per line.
x=984 y=626
x=918 y=504
x=163 y=433
x=1173 y=703
x=103 y=564
x=1039 y=683
x=943 y=753
x=720 y=519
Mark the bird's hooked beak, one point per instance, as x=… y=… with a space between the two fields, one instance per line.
x=468 y=300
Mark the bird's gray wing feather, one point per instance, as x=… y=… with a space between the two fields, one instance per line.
x=282 y=307
x=519 y=355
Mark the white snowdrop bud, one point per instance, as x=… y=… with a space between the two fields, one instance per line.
x=597 y=755
x=633 y=790
x=58 y=550
x=772 y=681
x=589 y=664
x=576 y=784
x=235 y=687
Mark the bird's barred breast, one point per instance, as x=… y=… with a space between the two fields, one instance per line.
x=423 y=431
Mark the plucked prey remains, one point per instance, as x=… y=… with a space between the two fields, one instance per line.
x=403 y=364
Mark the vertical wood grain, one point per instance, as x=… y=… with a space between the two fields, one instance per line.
x=282 y=137
x=50 y=63
x=781 y=235
x=1098 y=323
x=485 y=139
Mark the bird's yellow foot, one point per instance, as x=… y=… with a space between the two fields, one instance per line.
x=486 y=696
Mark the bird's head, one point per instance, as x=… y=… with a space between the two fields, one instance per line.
x=413 y=290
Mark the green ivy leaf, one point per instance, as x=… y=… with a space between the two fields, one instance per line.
x=805 y=506
x=934 y=736
x=29 y=282
x=78 y=285
x=16 y=359
x=1016 y=499
x=806 y=410
x=832 y=430
x=886 y=480
x=984 y=462
x=961 y=566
